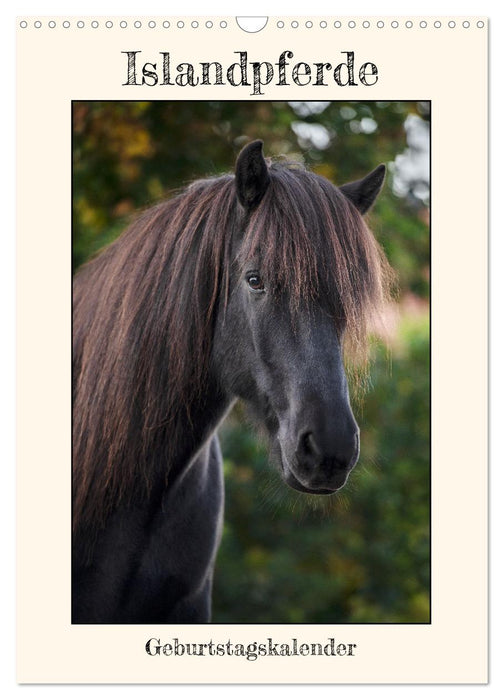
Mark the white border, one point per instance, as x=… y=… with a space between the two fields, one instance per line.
x=497 y=347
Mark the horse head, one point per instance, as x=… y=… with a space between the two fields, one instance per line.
x=279 y=335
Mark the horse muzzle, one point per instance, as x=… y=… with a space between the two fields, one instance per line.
x=320 y=465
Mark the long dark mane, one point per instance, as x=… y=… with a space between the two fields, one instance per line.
x=144 y=314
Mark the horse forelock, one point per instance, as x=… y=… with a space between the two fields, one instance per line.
x=312 y=243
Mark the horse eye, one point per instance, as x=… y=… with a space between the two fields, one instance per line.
x=255 y=282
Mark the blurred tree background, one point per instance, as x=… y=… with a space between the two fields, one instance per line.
x=356 y=557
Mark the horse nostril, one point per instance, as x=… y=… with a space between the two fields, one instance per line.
x=336 y=457
x=310 y=445
x=308 y=450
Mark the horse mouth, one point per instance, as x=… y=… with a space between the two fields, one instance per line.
x=337 y=483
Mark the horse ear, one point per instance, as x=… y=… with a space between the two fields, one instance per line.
x=362 y=193
x=251 y=175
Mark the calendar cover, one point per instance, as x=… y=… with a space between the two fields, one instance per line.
x=252 y=413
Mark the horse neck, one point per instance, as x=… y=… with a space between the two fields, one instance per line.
x=196 y=426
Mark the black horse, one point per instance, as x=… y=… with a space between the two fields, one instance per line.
x=247 y=286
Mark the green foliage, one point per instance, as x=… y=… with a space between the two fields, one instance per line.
x=362 y=555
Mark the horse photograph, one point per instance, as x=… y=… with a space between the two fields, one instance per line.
x=250 y=363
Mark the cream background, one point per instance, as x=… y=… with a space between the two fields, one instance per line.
x=444 y=65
